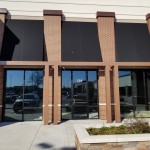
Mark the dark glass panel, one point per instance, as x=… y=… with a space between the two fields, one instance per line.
x=14 y=88
x=80 y=42
x=135 y=101
x=79 y=89
x=33 y=95
x=132 y=42
x=23 y=40
x=66 y=95
x=92 y=94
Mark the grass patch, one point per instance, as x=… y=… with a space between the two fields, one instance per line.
x=138 y=127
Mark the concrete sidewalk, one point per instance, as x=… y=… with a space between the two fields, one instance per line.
x=36 y=136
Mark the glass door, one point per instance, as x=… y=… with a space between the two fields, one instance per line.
x=79 y=95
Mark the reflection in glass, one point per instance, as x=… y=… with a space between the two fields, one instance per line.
x=79 y=94
x=23 y=98
x=66 y=95
x=14 y=88
x=79 y=91
x=134 y=93
x=126 y=99
x=92 y=94
x=33 y=95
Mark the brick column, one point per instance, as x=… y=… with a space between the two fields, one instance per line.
x=106 y=33
x=59 y=95
x=3 y=13
x=116 y=94
x=52 y=38
x=56 y=95
x=52 y=34
x=50 y=93
x=46 y=95
x=1 y=90
x=148 y=21
x=102 y=93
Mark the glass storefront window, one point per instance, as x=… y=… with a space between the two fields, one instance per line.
x=23 y=95
x=134 y=93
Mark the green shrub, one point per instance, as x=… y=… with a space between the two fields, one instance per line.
x=137 y=127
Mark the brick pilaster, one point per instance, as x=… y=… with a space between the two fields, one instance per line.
x=106 y=33
x=52 y=38
x=50 y=94
x=46 y=95
x=59 y=95
x=52 y=34
x=148 y=21
x=3 y=13
x=102 y=93
x=1 y=90
x=56 y=95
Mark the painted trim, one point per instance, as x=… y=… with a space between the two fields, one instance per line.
x=102 y=104
x=20 y=17
x=113 y=104
x=73 y=19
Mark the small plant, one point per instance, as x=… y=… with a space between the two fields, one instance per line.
x=136 y=127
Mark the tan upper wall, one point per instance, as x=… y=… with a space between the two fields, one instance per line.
x=124 y=9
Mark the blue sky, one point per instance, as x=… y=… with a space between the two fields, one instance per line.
x=77 y=76
x=15 y=78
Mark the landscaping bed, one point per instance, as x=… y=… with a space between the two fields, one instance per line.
x=135 y=136
x=138 y=127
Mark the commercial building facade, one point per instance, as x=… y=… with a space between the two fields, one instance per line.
x=71 y=65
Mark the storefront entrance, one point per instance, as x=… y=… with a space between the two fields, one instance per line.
x=23 y=95
x=79 y=94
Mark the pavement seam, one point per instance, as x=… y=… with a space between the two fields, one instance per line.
x=67 y=136
x=35 y=136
